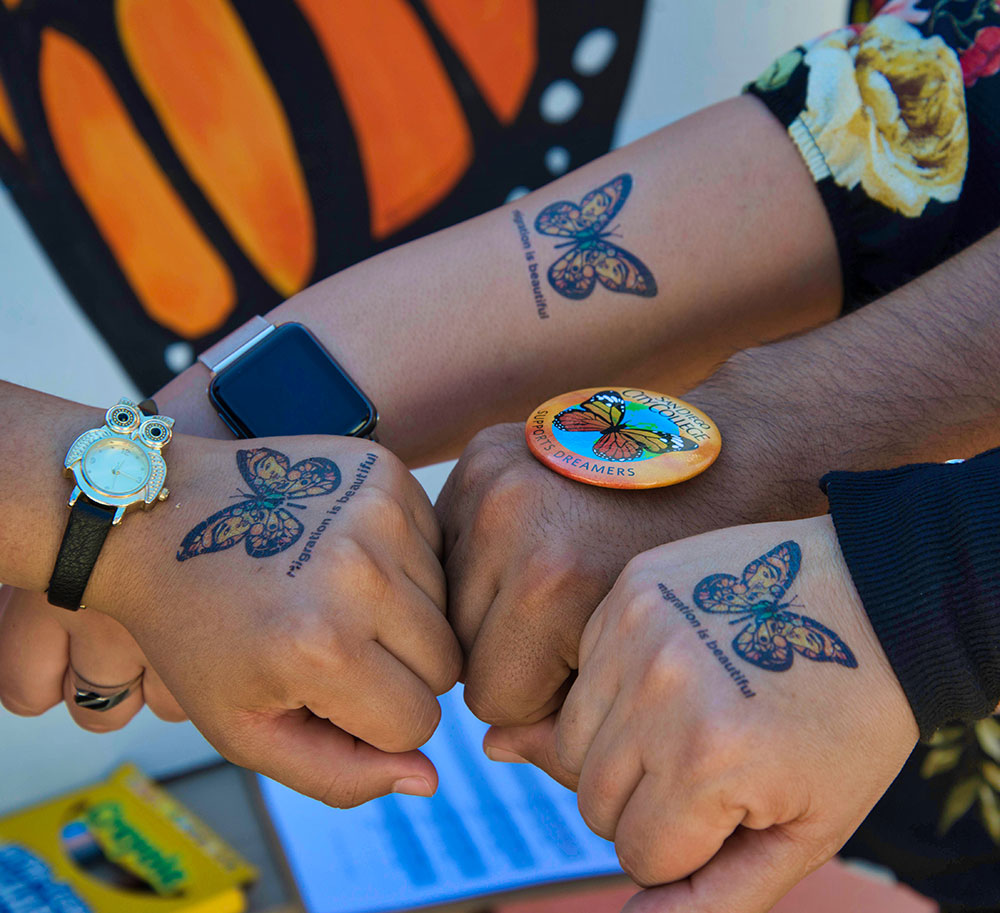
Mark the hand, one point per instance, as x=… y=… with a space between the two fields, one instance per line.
x=726 y=767
x=41 y=645
x=290 y=595
x=530 y=554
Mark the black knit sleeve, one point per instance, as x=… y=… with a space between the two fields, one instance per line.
x=923 y=547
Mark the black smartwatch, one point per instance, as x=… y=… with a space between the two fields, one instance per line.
x=271 y=381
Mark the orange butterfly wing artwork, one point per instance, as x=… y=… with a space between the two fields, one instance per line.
x=188 y=164
x=773 y=633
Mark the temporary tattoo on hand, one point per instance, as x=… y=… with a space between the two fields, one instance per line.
x=772 y=633
x=262 y=521
x=360 y=477
x=590 y=258
x=734 y=671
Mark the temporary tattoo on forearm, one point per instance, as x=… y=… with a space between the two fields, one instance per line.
x=261 y=521
x=735 y=673
x=590 y=258
x=772 y=634
x=360 y=476
x=541 y=305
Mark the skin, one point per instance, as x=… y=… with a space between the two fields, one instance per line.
x=769 y=268
x=726 y=801
x=529 y=554
x=325 y=681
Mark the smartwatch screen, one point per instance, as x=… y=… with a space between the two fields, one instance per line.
x=289 y=384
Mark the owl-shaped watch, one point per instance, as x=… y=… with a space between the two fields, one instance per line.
x=115 y=467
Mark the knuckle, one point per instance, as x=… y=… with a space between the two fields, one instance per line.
x=24 y=703
x=634 y=861
x=489 y=704
x=170 y=714
x=421 y=722
x=98 y=725
x=447 y=671
x=664 y=673
x=506 y=496
x=383 y=510
x=480 y=460
x=597 y=794
x=638 y=608
x=350 y=564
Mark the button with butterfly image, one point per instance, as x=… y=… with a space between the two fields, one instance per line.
x=622 y=438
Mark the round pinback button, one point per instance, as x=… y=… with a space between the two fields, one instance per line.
x=618 y=437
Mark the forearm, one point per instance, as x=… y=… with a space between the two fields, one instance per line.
x=445 y=332
x=912 y=377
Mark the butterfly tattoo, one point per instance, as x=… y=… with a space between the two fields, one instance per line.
x=262 y=521
x=591 y=258
x=605 y=412
x=773 y=634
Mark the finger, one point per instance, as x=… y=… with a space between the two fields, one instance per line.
x=752 y=871
x=534 y=744
x=423 y=566
x=376 y=698
x=421 y=509
x=102 y=653
x=412 y=629
x=518 y=671
x=588 y=703
x=472 y=587
x=34 y=651
x=159 y=699
x=314 y=757
x=611 y=770
x=668 y=830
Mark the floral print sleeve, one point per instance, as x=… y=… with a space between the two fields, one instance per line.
x=896 y=120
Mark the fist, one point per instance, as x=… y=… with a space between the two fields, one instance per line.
x=734 y=718
x=530 y=554
x=291 y=597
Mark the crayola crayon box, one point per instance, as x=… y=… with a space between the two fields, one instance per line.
x=121 y=846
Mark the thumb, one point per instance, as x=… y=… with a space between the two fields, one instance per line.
x=534 y=743
x=312 y=756
x=751 y=872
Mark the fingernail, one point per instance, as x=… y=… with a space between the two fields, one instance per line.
x=502 y=755
x=413 y=786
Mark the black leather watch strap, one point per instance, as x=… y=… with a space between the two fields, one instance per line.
x=81 y=544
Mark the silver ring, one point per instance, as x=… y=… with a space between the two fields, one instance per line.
x=100 y=698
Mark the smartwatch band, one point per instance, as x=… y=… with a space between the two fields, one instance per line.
x=86 y=530
x=232 y=346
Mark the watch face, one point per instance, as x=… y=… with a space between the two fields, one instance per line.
x=117 y=466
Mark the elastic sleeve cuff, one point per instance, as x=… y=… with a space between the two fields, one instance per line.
x=922 y=544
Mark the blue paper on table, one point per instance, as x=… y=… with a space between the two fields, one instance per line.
x=490 y=828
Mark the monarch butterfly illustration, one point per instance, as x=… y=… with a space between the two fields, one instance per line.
x=591 y=258
x=604 y=412
x=262 y=521
x=773 y=634
x=186 y=165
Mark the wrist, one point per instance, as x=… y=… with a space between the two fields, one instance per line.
x=769 y=465
x=137 y=565
x=185 y=399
